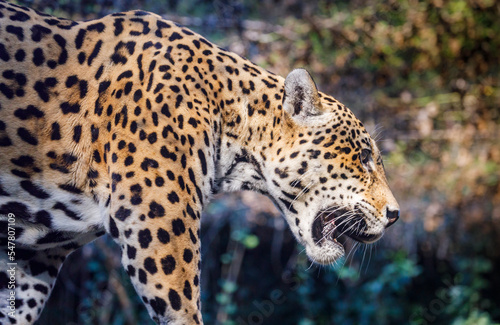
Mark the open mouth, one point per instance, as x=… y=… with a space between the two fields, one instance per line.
x=335 y=224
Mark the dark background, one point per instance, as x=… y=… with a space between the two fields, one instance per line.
x=423 y=76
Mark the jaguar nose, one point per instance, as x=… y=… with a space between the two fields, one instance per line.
x=392 y=216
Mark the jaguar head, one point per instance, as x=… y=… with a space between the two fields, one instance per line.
x=328 y=177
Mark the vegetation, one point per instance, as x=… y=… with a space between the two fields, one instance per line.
x=424 y=78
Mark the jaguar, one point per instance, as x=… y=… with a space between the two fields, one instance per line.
x=128 y=125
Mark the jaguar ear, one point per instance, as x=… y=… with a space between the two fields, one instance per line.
x=301 y=99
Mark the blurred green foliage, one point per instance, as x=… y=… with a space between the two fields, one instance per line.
x=417 y=45
x=423 y=76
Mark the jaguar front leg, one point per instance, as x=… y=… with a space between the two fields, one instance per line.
x=155 y=219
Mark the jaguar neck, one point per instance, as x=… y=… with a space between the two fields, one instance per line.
x=251 y=118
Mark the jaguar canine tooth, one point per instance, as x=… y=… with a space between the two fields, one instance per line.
x=328 y=228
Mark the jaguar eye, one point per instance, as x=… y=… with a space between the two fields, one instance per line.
x=365 y=156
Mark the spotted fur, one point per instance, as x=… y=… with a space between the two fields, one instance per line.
x=128 y=124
